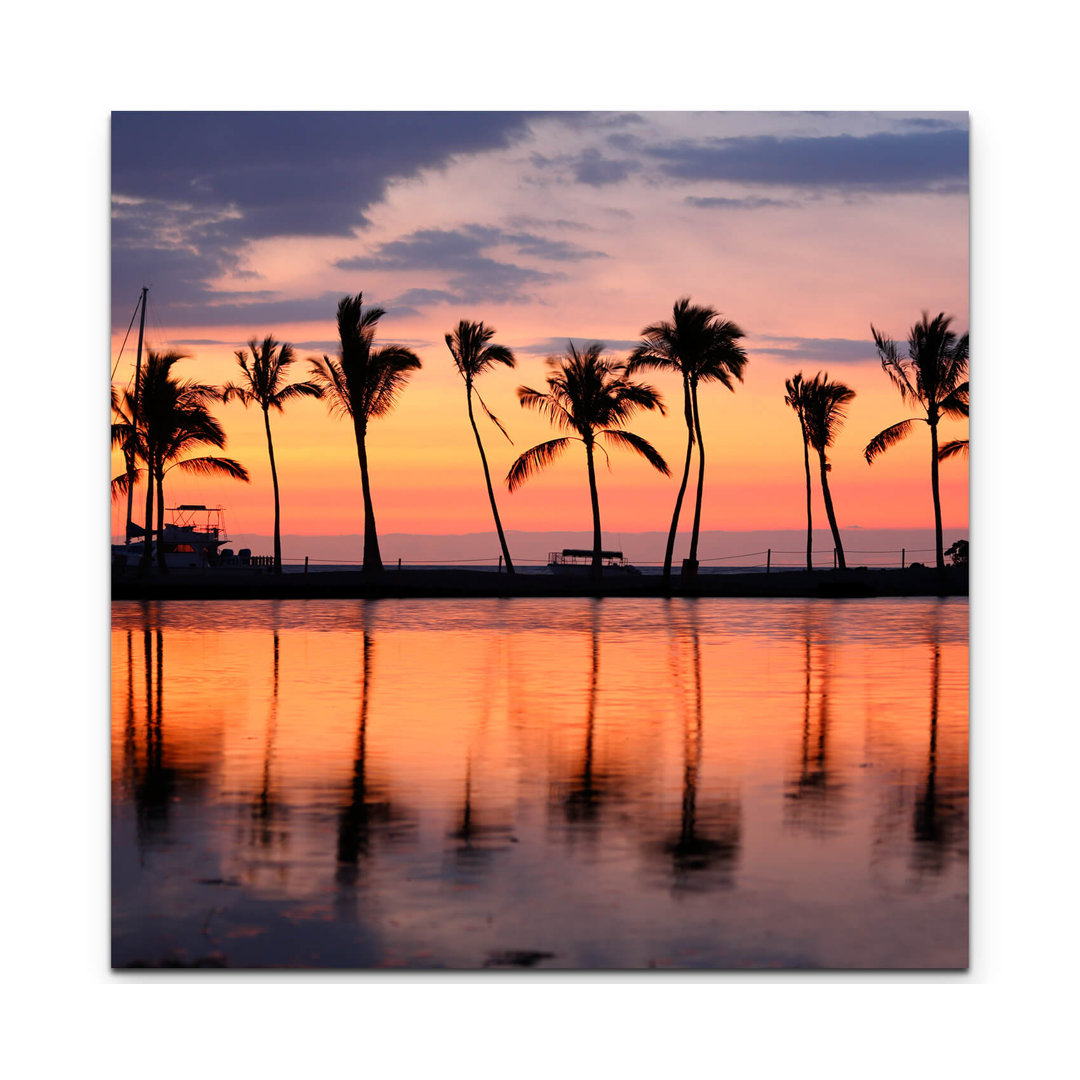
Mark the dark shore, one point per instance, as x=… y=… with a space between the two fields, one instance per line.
x=249 y=584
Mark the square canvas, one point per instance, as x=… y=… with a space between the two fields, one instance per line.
x=539 y=540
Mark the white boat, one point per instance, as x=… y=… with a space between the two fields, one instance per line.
x=578 y=562
x=193 y=538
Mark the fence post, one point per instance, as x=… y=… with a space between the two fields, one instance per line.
x=305 y=564
x=903 y=558
x=399 y=562
x=834 y=559
x=768 y=561
x=500 y=564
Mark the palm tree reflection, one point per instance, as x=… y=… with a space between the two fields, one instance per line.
x=368 y=810
x=813 y=800
x=155 y=785
x=267 y=810
x=704 y=850
x=582 y=799
x=476 y=840
x=938 y=821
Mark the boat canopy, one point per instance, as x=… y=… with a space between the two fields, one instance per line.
x=587 y=553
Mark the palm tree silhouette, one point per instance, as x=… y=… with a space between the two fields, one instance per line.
x=933 y=376
x=703 y=347
x=468 y=345
x=795 y=398
x=587 y=394
x=824 y=409
x=264 y=383
x=363 y=383
x=170 y=419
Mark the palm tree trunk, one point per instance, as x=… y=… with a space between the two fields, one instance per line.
x=372 y=559
x=809 y=509
x=689 y=415
x=161 y=521
x=937 y=493
x=277 y=500
x=597 y=561
x=692 y=559
x=148 y=512
x=829 y=511
x=487 y=480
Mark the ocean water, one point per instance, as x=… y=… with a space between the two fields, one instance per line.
x=569 y=783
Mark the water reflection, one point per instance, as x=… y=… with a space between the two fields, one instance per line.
x=702 y=850
x=814 y=795
x=368 y=809
x=931 y=807
x=458 y=783
x=582 y=796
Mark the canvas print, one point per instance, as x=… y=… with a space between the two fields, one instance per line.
x=539 y=540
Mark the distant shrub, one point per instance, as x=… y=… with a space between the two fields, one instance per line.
x=958 y=553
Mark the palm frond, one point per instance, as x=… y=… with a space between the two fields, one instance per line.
x=955 y=404
x=492 y=417
x=884 y=439
x=328 y=375
x=211 y=466
x=533 y=460
x=639 y=445
x=953 y=448
x=309 y=388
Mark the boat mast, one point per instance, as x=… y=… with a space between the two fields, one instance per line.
x=134 y=420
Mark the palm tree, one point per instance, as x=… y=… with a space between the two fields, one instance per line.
x=932 y=376
x=171 y=419
x=363 y=383
x=795 y=393
x=590 y=395
x=468 y=345
x=703 y=347
x=264 y=383
x=824 y=408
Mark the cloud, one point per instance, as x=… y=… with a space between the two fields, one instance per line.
x=191 y=189
x=816 y=350
x=466 y=274
x=886 y=161
x=749 y=203
x=592 y=168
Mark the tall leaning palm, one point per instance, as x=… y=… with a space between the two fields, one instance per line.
x=265 y=383
x=796 y=398
x=469 y=345
x=825 y=408
x=363 y=383
x=591 y=396
x=702 y=346
x=933 y=377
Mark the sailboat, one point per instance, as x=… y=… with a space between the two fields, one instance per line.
x=194 y=534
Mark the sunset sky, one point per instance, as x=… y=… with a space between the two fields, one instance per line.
x=801 y=227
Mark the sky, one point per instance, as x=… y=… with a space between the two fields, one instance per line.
x=803 y=228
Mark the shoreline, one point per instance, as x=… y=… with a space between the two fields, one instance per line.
x=411 y=584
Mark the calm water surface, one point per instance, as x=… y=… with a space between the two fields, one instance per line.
x=624 y=783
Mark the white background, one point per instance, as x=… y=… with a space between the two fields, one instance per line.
x=67 y=67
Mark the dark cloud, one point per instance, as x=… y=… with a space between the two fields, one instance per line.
x=816 y=350
x=594 y=169
x=750 y=203
x=221 y=309
x=556 y=346
x=190 y=189
x=466 y=273
x=887 y=161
